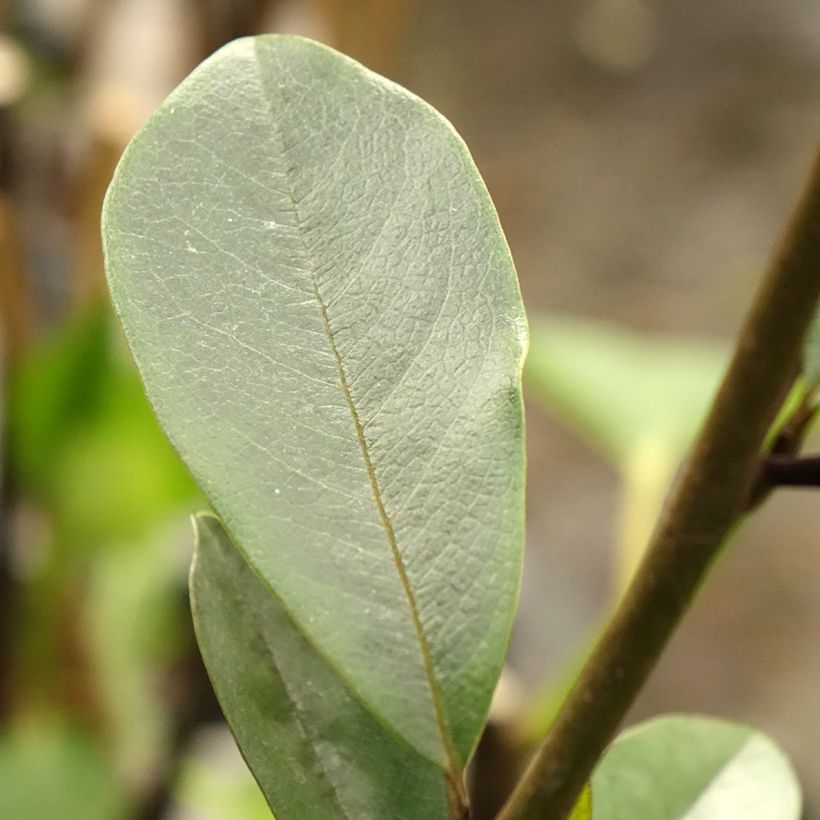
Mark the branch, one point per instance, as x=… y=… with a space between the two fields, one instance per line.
x=789 y=471
x=708 y=500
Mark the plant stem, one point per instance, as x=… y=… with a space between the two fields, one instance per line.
x=708 y=500
x=790 y=471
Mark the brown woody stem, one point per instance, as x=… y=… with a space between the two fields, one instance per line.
x=791 y=471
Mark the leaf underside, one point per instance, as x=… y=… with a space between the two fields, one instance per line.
x=682 y=767
x=324 y=311
x=319 y=753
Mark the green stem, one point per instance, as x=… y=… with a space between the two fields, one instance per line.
x=708 y=500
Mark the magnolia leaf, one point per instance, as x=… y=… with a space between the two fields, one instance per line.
x=318 y=751
x=318 y=294
x=681 y=767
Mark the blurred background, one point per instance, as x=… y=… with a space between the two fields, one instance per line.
x=643 y=155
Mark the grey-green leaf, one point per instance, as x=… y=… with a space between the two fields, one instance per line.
x=681 y=767
x=316 y=289
x=315 y=750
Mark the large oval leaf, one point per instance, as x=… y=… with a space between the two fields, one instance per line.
x=681 y=767
x=316 y=751
x=316 y=289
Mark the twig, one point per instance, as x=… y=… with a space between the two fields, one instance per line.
x=790 y=471
x=708 y=500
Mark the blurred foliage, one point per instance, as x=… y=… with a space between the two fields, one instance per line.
x=135 y=609
x=618 y=389
x=637 y=400
x=102 y=601
x=583 y=808
x=215 y=783
x=811 y=356
x=48 y=770
x=83 y=440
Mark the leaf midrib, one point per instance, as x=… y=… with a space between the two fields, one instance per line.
x=453 y=769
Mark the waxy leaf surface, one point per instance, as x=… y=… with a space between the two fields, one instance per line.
x=318 y=752
x=316 y=289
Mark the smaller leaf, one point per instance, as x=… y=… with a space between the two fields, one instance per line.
x=315 y=749
x=681 y=767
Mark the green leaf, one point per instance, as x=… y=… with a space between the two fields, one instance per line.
x=83 y=439
x=316 y=289
x=48 y=770
x=680 y=767
x=583 y=808
x=811 y=354
x=636 y=399
x=55 y=390
x=134 y=634
x=619 y=389
x=117 y=475
x=314 y=748
x=214 y=783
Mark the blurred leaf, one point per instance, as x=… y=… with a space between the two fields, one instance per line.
x=583 y=808
x=215 y=783
x=48 y=771
x=86 y=448
x=325 y=313
x=56 y=389
x=85 y=441
x=696 y=768
x=134 y=608
x=313 y=746
x=117 y=475
x=638 y=400
x=811 y=354
x=617 y=389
